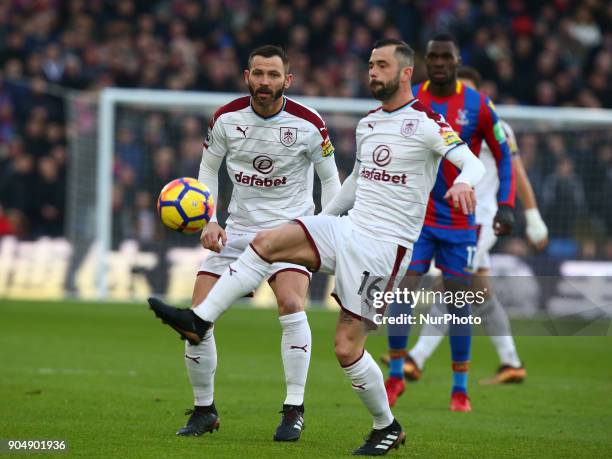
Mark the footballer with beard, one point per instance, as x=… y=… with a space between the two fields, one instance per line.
x=450 y=236
x=271 y=144
x=399 y=148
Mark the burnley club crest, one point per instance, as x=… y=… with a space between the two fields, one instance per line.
x=409 y=127
x=288 y=136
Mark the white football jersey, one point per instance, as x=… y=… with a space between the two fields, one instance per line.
x=269 y=160
x=486 y=189
x=399 y=154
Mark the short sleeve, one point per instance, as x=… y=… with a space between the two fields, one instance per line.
x=215 y=142
x=440 y=136
x=320 y=146
x=358 y=136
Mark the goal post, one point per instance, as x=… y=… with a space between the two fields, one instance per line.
x=339 y=113
x=110 y=98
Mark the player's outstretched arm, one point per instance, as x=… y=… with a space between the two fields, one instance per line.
x=536 y=230
x=209 y=175
x=330 y=181
x=472 y=170
x=345 y=198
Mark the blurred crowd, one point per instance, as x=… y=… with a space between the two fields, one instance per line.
x=547 y=53
x=571 y=172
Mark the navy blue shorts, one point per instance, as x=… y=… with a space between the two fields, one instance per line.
x=454 y=251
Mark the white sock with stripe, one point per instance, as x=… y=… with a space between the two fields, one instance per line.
x=239 y=279
x=201 y=363
x=369 y=385
x=296 y=346
x=506 y=350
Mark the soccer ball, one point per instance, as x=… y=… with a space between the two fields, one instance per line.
x=185 y=205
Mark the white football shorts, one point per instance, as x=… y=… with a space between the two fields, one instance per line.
x=356 y=259
x=216 y=263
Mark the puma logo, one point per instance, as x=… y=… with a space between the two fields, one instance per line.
x=358 y=386
x=300 y=347
x=371 y=125
x=231 y=270
x=238 y=128
x=195 y=359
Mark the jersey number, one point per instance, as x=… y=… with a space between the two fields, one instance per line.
x=371 y=285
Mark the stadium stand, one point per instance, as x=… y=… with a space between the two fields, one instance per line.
x=48 y=48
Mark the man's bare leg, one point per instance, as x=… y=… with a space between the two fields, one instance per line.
x=367 y=382
x=288 y=242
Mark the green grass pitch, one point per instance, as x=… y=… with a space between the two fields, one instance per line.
x=110 y=379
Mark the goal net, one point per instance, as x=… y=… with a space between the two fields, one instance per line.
x=127 y=144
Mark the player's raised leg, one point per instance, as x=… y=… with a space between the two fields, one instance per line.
x=288 y=243
x=367 y=382
x=201 y=363
x=290 y=286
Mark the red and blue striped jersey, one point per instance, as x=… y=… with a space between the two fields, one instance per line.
x=473 y=116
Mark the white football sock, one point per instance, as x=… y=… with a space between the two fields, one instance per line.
x=201 y=362
x=497 y=325
x=239 y=279
x=430 y=338
x=296 y=346
x=368 y=384
x=506 y=350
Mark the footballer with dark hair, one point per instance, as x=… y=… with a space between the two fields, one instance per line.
x=270 y=144
x=494 y=317
x=448 y=235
